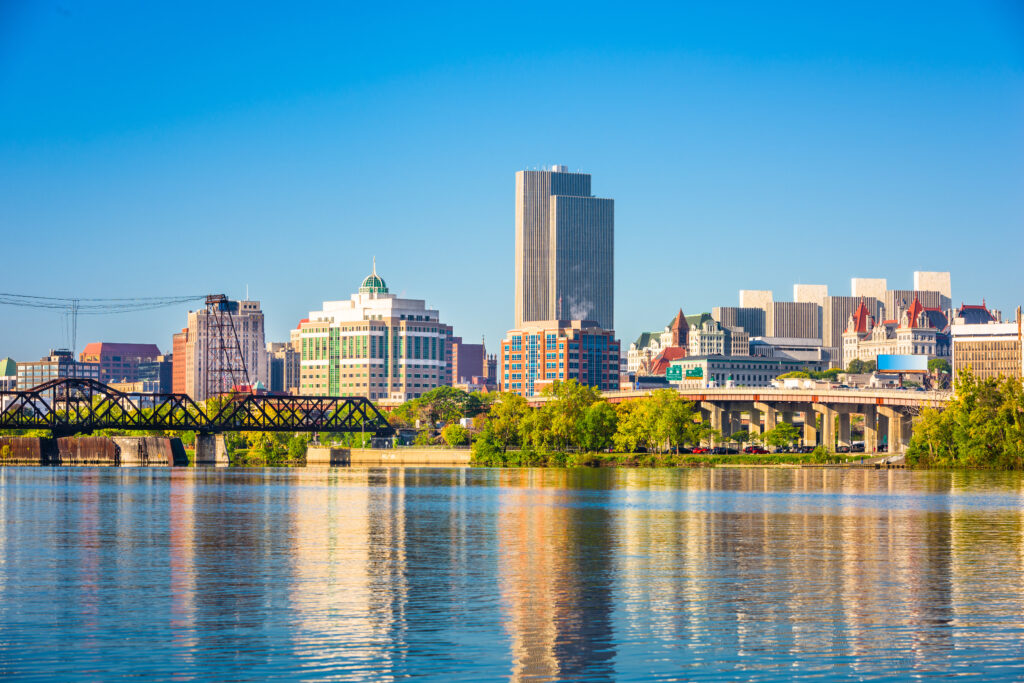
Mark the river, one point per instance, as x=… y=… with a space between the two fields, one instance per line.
x=471 y=574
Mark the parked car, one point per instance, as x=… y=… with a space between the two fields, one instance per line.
x=755 y=450
x=842 y=449
x=700 y=450
x=857 y=448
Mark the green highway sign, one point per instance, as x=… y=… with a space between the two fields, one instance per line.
x=675 y=373
x=695 y=373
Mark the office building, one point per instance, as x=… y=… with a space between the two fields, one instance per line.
x=118 y=362
x=156 y=374
x=868 y=287
x=211 y=347
x=285 y=367
x=60 y=364
x=929 y=281
x=752 y=320
x=545 y=351
x=467 y=361
x=756 y=298
x=745 y=371
x=375 y=345
x=564 y=249
x=794 y=319
x=986 y=346
x=179 y=342
x=802 y=350
x=810 y=294
x=711 y=338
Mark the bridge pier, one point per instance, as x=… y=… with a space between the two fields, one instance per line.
x=898 y=428
x=828 y=425
x=844 y=429
x=735 y=421
x=810 y=428
x=211 y=451
x=771 y=416
x=714 y=413
x=870 y=429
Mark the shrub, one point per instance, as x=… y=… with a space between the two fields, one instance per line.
x=455 y=435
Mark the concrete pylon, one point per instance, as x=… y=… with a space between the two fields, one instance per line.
x=715 y=415
x=828 y=425
x=844 y=429
x=896 y=430
x=754 y=423
x=870 y=429
x=810 y=430
x=771 y=416
x=211 y=451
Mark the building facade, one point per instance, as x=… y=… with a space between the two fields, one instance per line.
x=835 y=314
x=790 y=348
x=285 y=367
x=157 y=374
x=467 y=361
x=743 y=371
x=917 y=331
x=179 y=347
x=203 y=342
x=649 y=345
x=874 y=287
x=810 y=294
x=8 y=375
x=118 y=362
x=564 y=249
x=375 y=345
x=752 y=320
x=60 y=364
x=986 y=345
x=794 y=319
x=559 y=350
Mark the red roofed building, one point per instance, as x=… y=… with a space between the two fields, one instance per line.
x=659 y=366
x=118 y=362
x=916 y=331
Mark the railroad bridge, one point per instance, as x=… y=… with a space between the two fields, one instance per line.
x=888 y=413
x=72 y=406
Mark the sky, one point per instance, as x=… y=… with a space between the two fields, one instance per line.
x=166 y=149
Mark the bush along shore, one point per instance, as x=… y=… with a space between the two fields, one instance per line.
x=981 y=428
x=576 y=427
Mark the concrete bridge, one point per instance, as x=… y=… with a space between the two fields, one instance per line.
x=888 y=412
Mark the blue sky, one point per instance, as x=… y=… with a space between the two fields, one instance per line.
x=174 y=148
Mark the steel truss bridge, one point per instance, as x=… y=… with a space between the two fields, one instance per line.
x=80 y=406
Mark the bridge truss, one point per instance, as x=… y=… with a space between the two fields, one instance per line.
x=80 y=406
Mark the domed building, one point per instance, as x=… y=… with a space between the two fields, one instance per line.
x=374 y=344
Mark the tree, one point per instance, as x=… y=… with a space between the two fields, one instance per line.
x=782 y=435
x=600 y=422
x=939 y=365
x=740 y=436
x=441 y=404
x=565 y=412
x=631 y=431
x=795 y=374
x=455 y=435
x=505 y=420
x=856 y=367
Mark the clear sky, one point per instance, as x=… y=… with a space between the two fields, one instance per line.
x=174 y=148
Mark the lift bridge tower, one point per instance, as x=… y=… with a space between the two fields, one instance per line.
x=223 y=360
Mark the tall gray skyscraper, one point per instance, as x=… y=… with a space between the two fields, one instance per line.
x=565 y=254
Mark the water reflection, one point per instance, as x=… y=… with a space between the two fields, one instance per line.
x=381 y=574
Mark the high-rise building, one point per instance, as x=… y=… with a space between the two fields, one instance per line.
x=543 y=352
x=564 y=260
x=933 y=281
x=752 y=320
x=157 y=373
x=794 y=319
x=756 y=298
x=985 y=346
x=814 y=294
x=374 y=345
x=868 y=287
x=205 y=339
x=179 y=342
x=118 y=362
x=285 y=367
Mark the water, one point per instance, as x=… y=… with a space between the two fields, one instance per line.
x=475 y=575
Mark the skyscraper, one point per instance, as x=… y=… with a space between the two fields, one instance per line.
x=565 y=259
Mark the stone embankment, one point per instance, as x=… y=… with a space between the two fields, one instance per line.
x=125 y=451
x=327 y=456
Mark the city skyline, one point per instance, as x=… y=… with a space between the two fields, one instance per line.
x=743 y=149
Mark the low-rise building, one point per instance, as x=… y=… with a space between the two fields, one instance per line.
x=8 y=375
x=119 y=362
x=695 y=372
x=543 y=352
x=468 y=360
x=791 y=348
x=60 y=364
x=648 y=346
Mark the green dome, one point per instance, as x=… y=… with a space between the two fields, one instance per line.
x=373 y=283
